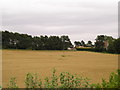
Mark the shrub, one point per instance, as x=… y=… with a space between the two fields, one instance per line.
x=32 y=81
x=66 y=80
x=113 y=82
x=12 y=83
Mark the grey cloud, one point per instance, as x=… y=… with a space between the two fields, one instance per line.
x=78 y=19
x=59 y=19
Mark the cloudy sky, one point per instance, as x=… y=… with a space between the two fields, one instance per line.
x=80 y=19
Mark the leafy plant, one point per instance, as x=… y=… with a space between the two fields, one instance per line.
x=66 y=80
x=47 y=83
x=113 y=82
x=12 y=83
x=54 y=81
x=32 y=81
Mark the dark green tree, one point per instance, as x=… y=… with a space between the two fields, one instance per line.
x=117 y=45
x=77 y=43
x=102 y=42
x=66 y=43
x=23 y=41
x=89 y=42
x=83 y=43
x=111 y=48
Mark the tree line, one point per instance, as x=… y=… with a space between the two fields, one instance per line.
x=103 y=43
x=12 y=40
x=107 y=44
x=82 y=43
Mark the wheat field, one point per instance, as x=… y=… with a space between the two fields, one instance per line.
x=93 y=65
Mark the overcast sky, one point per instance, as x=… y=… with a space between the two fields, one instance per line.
x=79 y=19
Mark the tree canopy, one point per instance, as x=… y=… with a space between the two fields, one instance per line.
x=23 y=41
x=12 y=40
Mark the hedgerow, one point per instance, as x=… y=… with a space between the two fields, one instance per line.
x=66 y=80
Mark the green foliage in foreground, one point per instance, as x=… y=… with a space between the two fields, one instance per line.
x=66 y=80
x=113 y=82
